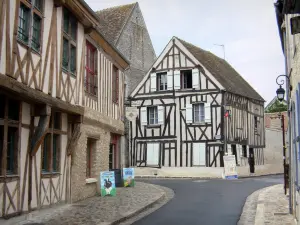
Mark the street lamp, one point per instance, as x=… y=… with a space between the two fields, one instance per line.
x=280 y=96
x=280 y=93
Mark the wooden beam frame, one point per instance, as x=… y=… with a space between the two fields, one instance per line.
x=37 y=96
x=41 y=130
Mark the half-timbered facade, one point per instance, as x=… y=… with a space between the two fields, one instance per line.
x=192 y=107
x=61 y=103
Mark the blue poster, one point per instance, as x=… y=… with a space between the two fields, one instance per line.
x=128 y=177
x=108 y=184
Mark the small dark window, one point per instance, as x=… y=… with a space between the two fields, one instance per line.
x=161 y=81
x=51 y=145
x=186 y=79
x=115 y=85
x=255 y=122
x=13 y=110
x=11 y=156
x=57 y=120
x=244 y=151
x=2 y=106
x=91 y=146
x=69 y=42
x=1 y=147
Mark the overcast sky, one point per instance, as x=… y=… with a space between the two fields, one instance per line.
x=248 y=29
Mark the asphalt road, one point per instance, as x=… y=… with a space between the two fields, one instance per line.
x=206 y=202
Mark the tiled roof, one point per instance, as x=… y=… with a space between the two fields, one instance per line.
x=223 y=72
x=112 y=21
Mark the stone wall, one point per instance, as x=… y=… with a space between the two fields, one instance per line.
x=94 y=128
x=135 y=44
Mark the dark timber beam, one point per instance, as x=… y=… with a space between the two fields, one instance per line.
x=44 y=112
x=36 y=96
x=74 y=138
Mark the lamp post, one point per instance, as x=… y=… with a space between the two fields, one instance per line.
x=286 y=167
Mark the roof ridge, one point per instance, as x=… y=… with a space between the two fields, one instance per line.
x=115 y=7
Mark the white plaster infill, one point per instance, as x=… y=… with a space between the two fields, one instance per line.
x=91 y=180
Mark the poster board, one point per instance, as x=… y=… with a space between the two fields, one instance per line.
x=108 y=184
x=128 y=177
x=230 y=171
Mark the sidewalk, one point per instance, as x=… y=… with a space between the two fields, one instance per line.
x=267 y=206
x=96 y=210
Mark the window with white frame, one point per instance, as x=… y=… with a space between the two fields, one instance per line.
x=199 y=113
x=152 y=115
x=162 y=81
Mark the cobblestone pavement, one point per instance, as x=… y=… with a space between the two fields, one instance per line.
x=97 y=210
x=267 y=206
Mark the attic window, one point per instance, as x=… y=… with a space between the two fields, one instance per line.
x=186 y=79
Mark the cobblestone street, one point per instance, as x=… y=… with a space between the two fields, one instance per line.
x=96 y=210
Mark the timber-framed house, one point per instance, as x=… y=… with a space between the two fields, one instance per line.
x=61 y=103
x=192 y=108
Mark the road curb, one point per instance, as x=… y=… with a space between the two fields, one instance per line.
x=137 y=212
x=202 y=178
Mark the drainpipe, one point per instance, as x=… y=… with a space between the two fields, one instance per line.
x=287 y=52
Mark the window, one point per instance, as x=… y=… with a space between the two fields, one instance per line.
x=9 y=128
x=186 y=79
x=199 y=113
x=91 y=146
x=115 y=85
x=69 y=42
x=255 y=122
x=161 y=81
x=51 y=145
x=91 y=85
x=152 y=115
x=30 y=23
x=113 y=150
x=244 y=150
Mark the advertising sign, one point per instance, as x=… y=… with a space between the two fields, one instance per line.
x=230 y=167
x=128 y=177
x=108 y=184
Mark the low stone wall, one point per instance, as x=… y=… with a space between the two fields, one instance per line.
x=205 y=172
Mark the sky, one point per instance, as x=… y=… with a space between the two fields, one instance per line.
x=247 y=29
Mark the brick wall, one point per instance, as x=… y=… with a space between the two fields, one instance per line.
x=273 y=122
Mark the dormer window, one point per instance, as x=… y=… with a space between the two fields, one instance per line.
x=186 y=79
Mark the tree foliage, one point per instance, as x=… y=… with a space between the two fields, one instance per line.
x=277 y=106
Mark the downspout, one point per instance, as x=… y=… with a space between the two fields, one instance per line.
x=287 y=52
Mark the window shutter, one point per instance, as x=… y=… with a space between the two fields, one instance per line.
x=160 y=113
x=207 y=112
x=176 y=79
x=144 y=116
x=153 y=81
x=170 y=80
x=195 y=78
x=189 y=113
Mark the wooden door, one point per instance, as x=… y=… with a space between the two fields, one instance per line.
x=199 y=154
x=153 y=154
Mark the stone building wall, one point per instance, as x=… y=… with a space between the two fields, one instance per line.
x=101 y=133
x=135 y=44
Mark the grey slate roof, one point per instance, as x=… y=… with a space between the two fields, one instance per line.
x=223 y=72
x=112 y=21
